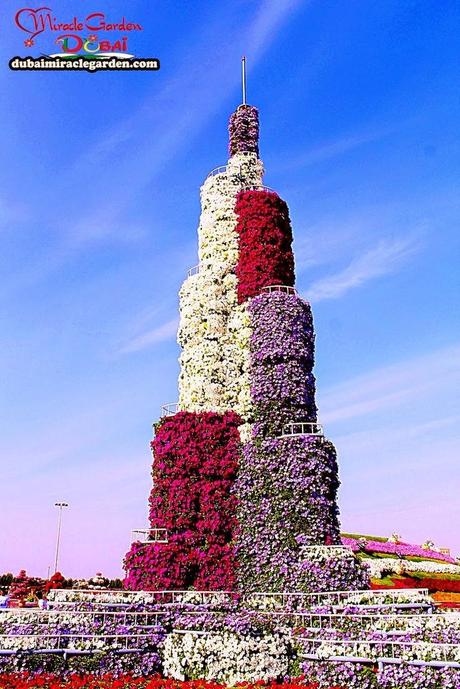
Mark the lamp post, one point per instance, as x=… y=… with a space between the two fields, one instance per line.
x=60 y=505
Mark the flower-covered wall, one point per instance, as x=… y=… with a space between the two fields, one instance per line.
x=195 y=465
x=244 y=483
x=265 y=238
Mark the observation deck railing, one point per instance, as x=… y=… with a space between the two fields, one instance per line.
x=217 y=171
x=329 y=548
x=169 y=409
x=258 y=187
x=287 y=289
x=150 y=535
x=223 y=168
x=194 y=270
x=302 y=428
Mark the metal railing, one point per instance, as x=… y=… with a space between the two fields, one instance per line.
x=66 y=642
x=287 y=289
x=52 y=617
x=194 y=270
x=324 y=621
x=258 y=187
x=303 y=620
x=364 y=597
x=150 y=535
x=380 y=652
x=169 y=409
x=329 y=549
x=217 y=171
x=302 y=428
x=224 y=168
x=371 y=650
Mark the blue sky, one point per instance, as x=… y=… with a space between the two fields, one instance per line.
x=98 y=213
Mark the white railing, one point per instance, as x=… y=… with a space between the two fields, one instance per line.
x=169 y=409
x=311 y=621
x=287 y=289
x=224 y=168
x=302 y=428
x=54 y=616
x=193 y=271
x=380 y=652
x=217 y=171
x=371 y=650
x=276 y=600
x=331 y=622
x=76 y=596
x=359 y=598
x=150 y=535
x=258 y=187
x=68 y=642
x=328 y=549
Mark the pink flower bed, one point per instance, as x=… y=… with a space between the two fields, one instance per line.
x=402 y=549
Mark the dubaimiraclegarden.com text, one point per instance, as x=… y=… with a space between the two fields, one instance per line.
x=82 y=64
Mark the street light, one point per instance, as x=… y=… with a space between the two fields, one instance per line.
x=60 y=505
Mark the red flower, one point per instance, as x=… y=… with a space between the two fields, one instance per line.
x=194 y=467
x=265 y=238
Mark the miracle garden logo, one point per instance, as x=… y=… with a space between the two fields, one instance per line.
x=77 y=36
x=90 y=43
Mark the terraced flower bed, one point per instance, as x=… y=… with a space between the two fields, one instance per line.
x=389 y=640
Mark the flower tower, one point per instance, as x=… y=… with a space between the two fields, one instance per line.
x=245 y=484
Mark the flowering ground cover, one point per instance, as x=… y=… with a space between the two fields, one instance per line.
x=359 y=676
x=445 y=591
x=400 y=549
x=447 y=600
x=77 y=681
x=225 y=641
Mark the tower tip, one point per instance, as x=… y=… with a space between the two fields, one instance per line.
x=243 y=77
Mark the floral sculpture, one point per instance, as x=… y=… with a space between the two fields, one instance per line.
x=244 y=482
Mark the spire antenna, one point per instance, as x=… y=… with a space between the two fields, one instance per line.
x=243 y=77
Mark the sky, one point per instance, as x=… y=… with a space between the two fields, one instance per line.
x=99 y=205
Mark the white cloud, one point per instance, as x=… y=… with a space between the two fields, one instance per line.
x=385 y=258
x=399 y=384
x=336 y=148
x=163 y=332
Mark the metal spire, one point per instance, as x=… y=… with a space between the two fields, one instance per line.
x=243 y=77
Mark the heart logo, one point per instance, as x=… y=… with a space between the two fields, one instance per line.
x=30 y=21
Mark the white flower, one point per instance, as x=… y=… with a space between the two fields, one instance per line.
x=214 y=331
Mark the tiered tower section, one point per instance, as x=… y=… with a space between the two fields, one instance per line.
x=244 y=482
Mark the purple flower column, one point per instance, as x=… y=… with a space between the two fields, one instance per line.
x=287 y=488
x=282 y=357
x=243 y=129
x=287 y=485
